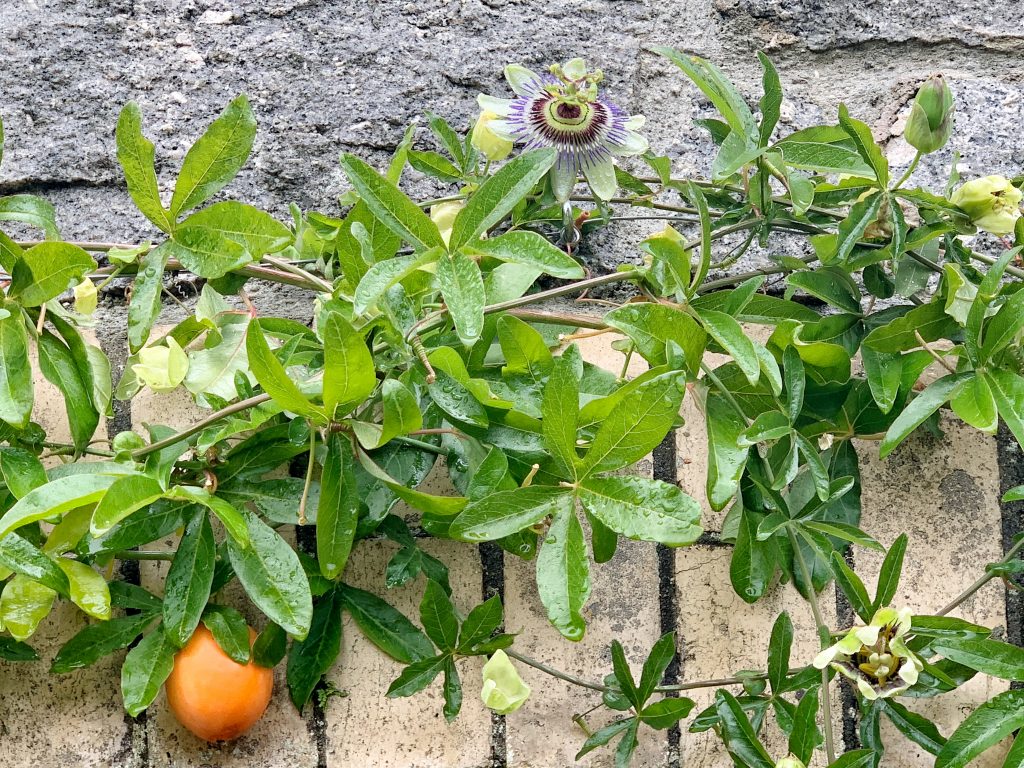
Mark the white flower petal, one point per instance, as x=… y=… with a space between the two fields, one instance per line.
x=601 y=177
x=866 y=690
x=825 y=658
x=635 y=144
x=492 y=104
x=909 y=671
x=903 y=621
x=867 y=635
x=563 y=179
x=520 y=79
x=635 y=122
x=502 y=128
x=850 y=644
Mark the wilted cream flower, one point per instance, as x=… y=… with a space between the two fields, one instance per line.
x=876 y=657
x=162 y=368
x=490 y=144
x=86 y=297
x=992 y=203
x=504 y=691
x=443 y=215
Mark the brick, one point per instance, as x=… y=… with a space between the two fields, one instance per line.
x=944 y=493
x=719 y=634
x=623 y=605
x=51 y=721
x=366 y=728
x=598 y=351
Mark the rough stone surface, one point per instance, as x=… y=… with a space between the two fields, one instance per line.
x=325 y=77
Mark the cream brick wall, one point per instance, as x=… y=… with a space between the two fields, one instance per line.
x=943 y=492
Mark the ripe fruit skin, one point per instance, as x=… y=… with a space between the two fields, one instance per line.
x=213 y=696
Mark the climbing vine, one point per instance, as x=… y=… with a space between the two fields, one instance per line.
x=443 y=336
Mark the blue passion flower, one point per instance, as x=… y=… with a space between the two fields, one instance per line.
x=563 y=109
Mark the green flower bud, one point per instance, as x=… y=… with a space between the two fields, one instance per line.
x=504 y=691
x=86 y=297
x=992 y=203
x=789 y=762
x=490 y=144
x=931 y=116
x=162 y=368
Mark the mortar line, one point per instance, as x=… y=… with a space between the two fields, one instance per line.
x=847 y=697
x=1010 y=462
x=492 y=577
x=137 y=737
x=666 y=470
x=305 y=537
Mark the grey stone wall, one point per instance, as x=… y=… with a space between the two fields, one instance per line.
x=328 y=76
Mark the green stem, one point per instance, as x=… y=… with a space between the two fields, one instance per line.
x=723 y=390
x=199 y=426
x=67 y=448
x=309 y=475
x=718 y=682
x=559 y=318
x=982 y=580
x=725 y=282
x=825 y=637
x=285 y=266
x=910 y=170
x=423 y=446
x=986 y=259
x=435 y=319
x=556 y=673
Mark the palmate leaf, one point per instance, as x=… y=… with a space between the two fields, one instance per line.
x=216 y=157
x=639 y=508
x=313 y=656
x=273 y=577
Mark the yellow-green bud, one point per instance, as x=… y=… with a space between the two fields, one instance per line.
x=162 y=368
x=443 y=215
x=931 y=116
x=503 y=691
x=490 y=144
x=789 y=762
x=86 y=297
x=992 y=203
